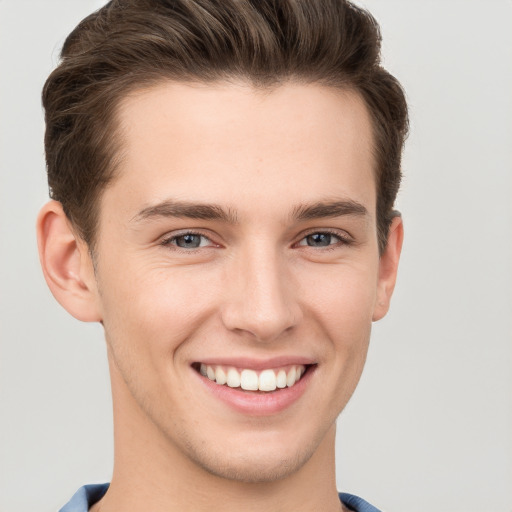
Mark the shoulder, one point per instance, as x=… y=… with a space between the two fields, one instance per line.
x=356 y=504
x=85 y=497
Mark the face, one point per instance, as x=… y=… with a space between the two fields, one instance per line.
x=238 y=246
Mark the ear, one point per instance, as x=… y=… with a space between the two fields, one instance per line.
x=388 y=267
x=67 y=264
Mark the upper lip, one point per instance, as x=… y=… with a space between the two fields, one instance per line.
x=257 y=364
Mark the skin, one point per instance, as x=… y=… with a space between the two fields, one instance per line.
x=256 y=287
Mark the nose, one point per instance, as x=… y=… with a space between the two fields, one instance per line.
x=261 y=298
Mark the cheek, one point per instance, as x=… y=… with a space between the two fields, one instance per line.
x=343 y=296
x=342 y=308
x=153 y=309
x=147 y=320
x=348 y=321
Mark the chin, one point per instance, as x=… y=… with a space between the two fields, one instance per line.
x=254 y=470
x=257 y=462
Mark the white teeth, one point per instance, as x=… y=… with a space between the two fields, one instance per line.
x=267 y=380
x=281 y=379
x=210 y=372
x=220 y=376
x=291 y=377
x=249 y=380
x=233 y=379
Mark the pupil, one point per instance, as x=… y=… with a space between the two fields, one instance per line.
x=188 y=241
x=319 y=239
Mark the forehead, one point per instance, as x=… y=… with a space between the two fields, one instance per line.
x=229 y=143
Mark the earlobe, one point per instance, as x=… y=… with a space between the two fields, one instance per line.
x=67 y=264
x=388 y=267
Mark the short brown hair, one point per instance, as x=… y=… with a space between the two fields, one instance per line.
x=129 y=44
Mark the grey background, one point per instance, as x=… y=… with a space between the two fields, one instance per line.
x=429 y=427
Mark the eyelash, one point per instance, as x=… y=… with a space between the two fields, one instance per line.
x=168 y=241
x=343 y=240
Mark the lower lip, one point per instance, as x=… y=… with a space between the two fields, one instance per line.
x=258 y=404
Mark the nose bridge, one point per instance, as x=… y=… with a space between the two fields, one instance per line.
x=261 y=299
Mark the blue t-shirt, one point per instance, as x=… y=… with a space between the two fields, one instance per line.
x=88 y=495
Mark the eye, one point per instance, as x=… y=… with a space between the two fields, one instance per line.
x=323 y=239
x=188 y=241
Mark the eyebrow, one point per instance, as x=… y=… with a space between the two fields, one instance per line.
x=205 y=211
x=184 y=209
x=329 y=209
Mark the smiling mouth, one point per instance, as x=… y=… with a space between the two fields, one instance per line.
x=267 y=380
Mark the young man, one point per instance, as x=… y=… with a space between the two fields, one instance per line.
x=223 y=177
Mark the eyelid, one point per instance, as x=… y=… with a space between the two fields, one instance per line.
x=168 y=238
x=343 y=235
